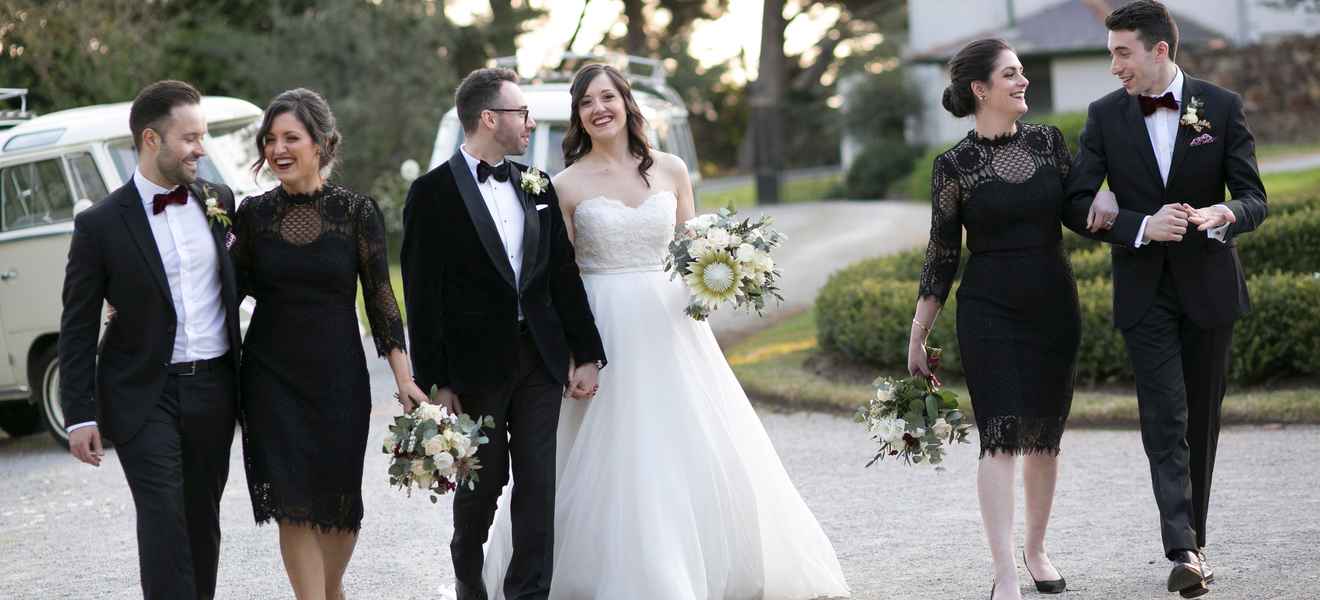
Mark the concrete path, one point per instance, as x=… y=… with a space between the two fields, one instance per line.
x=67 y=530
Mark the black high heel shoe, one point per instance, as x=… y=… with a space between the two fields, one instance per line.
x=1056 y=586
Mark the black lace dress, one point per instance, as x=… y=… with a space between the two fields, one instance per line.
x=1018 y=320
x=306 y=395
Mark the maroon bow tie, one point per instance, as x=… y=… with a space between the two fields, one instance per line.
x=1150 y=104
x=178 y=195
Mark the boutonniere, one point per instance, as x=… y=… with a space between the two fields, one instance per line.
x=1192 y=115
x=534 y=182
x=214 y=212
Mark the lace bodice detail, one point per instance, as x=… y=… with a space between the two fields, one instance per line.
x=612 y=237
x=991 y=188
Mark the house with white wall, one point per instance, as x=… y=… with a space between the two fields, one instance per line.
x=1061 y=44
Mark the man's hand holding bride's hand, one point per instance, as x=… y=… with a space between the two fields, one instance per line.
x=582 y=381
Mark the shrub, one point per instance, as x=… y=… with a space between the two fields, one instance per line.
x=880 y=166
x=868 y=319
x=1092 y=263
x=1288 y=242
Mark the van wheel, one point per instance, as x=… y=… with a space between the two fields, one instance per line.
x=46 y=393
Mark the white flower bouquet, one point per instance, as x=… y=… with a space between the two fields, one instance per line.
x=434 y=450
x=914 y=419
x=724 y=260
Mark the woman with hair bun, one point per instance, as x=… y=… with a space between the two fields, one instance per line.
x=301 y=250
x=1018 y=320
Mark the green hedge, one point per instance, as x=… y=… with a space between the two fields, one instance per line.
x=868 y=319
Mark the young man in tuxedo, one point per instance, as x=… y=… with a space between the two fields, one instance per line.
x=162 y=385
x=1169 y=145
x=499 y=323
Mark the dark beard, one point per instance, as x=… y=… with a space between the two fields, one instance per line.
x=173 y=170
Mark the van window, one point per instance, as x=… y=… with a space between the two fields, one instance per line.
x=87 y=182
x=33 y=194
x=125 y=159
x=554 y=149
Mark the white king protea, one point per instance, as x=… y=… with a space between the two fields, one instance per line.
x=725 y=260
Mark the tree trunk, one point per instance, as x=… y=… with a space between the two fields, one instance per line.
x=635 y=42
x=504 y=30
x=767 y=104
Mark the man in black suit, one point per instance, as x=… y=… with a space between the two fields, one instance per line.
x=1170 y=144
x=162 y=386
x=499 y=323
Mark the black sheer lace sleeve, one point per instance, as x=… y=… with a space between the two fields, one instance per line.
x=374 y=273
x=241 y=250
x=945 y=247
x=1062 y=158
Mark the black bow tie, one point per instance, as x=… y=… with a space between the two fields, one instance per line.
x=485 y=171
x=1150 y=104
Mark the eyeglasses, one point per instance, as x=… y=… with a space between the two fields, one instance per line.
x=524 y=112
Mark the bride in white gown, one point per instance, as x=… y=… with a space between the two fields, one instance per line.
x=668 y=486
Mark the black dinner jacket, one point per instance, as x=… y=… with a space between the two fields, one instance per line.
x=460 y=292
x=1115 y=145
x=113 y=257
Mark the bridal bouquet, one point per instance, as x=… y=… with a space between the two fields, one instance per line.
x=913 y=418
x=724 y=260
x=434 y=450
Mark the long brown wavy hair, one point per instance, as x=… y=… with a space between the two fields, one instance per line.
x=576 y=141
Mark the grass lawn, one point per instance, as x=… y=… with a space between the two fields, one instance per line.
x=782 y=366
x=1268 y=151
x=804 y=189
x=1279 y=185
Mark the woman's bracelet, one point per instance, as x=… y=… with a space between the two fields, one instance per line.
x=923 y=326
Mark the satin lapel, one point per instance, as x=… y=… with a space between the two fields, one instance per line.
x=531 y=228
x=1180 y=144
x=1140 y=136
x=135 y=217
x=228 y=279
x=481 y=219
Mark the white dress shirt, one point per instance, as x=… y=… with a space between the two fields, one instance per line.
x=1162 y=127
x=507 y=213
x=192 y=268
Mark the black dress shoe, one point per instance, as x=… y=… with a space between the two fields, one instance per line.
x=1185 y=577
x=1053 y=586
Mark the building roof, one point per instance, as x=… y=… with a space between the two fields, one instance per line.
x=1071 y=27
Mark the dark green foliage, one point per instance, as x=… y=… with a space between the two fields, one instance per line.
x=880 y=167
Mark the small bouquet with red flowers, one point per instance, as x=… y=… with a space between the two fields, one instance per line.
x=434 y=450
x=914 y=418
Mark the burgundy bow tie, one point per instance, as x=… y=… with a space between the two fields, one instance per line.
x=1150 y=104
x=178 y=195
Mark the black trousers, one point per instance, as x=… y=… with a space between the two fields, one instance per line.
x=1181 y=370
x=526 y=412
x=176 y=467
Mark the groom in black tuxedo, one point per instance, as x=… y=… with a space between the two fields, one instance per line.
x=162 y=385
x=499 y=323
x=1169 y=145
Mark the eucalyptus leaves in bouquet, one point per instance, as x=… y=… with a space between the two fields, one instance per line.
x=725 y=260
x=434 y=450
x=914 y=419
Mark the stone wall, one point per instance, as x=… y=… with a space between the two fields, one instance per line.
x=1279 y=82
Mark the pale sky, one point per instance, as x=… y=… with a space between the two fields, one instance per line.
x=712 y=42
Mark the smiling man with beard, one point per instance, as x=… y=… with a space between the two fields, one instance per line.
x=162 y=385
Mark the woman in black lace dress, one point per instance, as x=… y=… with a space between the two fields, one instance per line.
x=301 y=250
x=1018 y=320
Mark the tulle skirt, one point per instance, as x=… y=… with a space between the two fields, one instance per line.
x=668 y=486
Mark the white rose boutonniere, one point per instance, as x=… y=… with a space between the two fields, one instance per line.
x=534 y=182
x=216 y=213
x=1191 y=116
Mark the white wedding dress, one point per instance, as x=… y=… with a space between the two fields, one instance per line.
x=668 y=486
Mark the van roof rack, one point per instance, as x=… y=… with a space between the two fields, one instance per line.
x=9 y=117
x=642 y=72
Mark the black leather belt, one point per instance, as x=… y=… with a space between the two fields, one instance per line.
x=186 y=369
